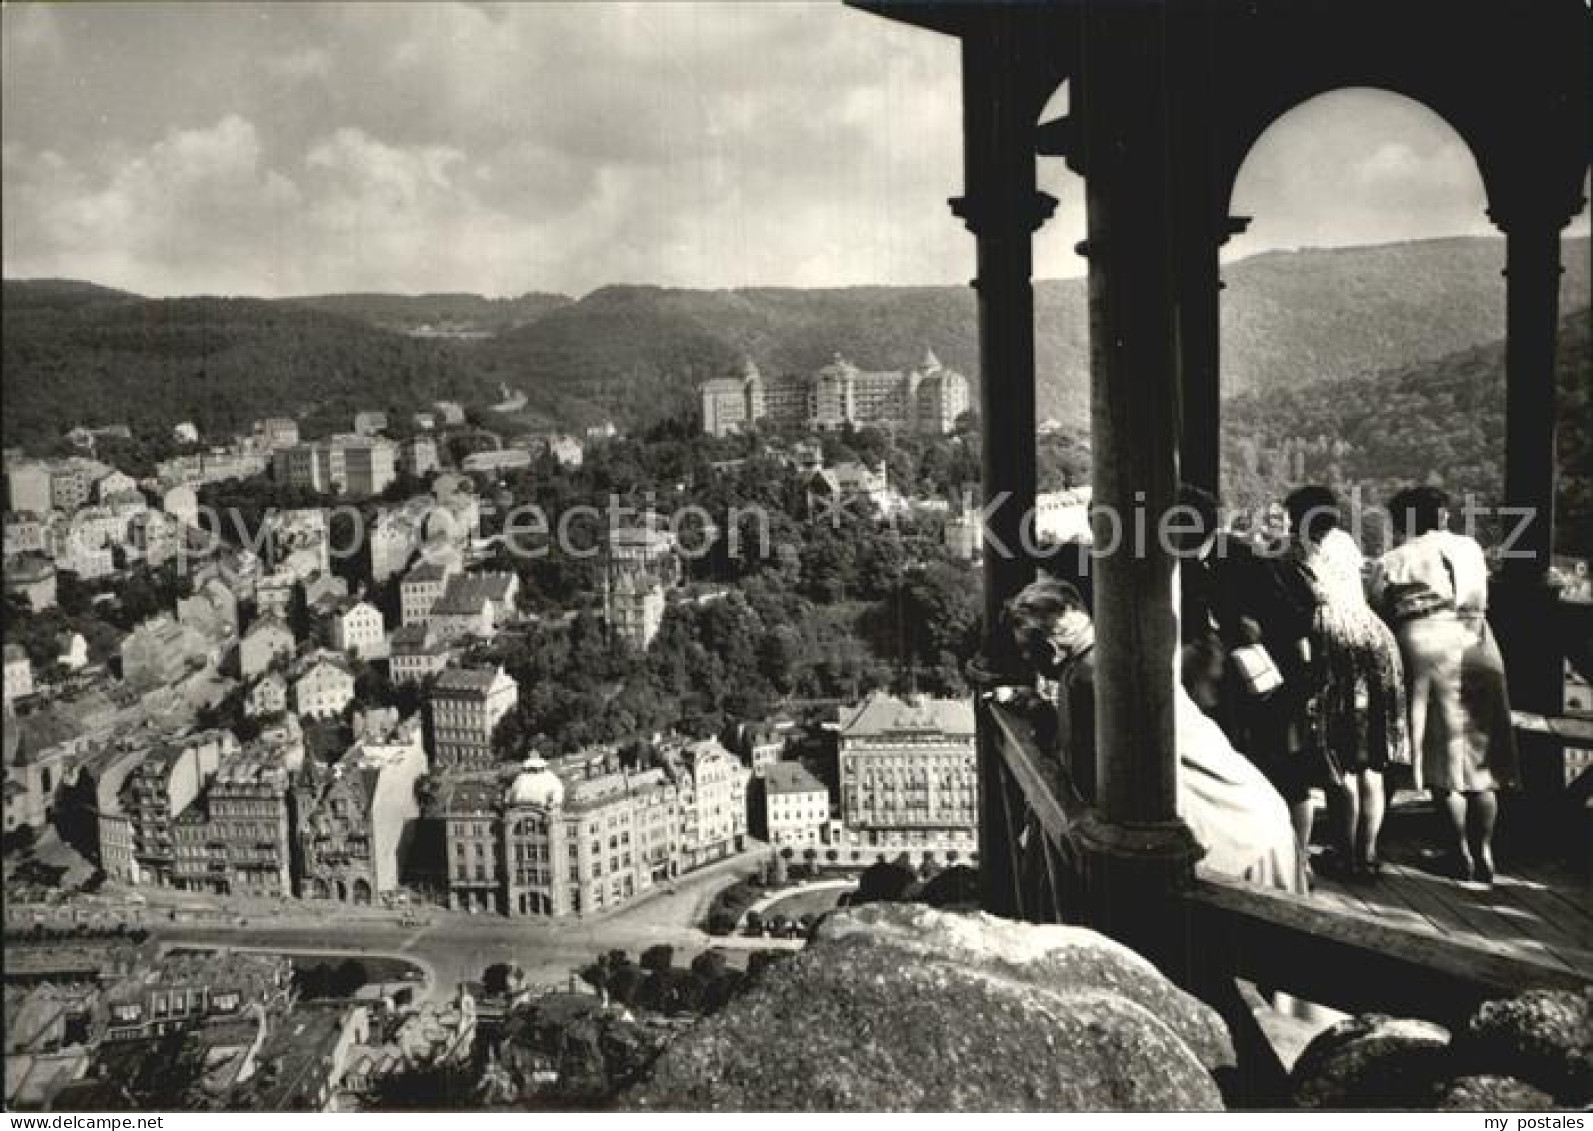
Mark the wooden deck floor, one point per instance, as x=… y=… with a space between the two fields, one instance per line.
x=1540 y=906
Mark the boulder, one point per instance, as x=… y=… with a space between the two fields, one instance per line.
x=1490 y=1093
x=1056 y=958
x=900 y=1008
x=1372 y=1061
x=1544 y=1037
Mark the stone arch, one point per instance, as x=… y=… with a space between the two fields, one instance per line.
x=1254 y=134
x=341 y=889
x=361 y=892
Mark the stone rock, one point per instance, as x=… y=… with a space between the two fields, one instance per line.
x=1372 y=1061
x=903 y=1009
x=1544 y=1037
x=1053 y=957
x=1490 y=1093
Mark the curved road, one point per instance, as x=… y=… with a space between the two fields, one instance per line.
x=453 y=947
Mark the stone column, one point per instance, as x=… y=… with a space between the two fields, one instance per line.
x=1135 y=847
x=1002 y=208
x=1200 y=343
x=1523 y=613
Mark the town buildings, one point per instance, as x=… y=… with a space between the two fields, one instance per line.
x=357 y=629
x=907 y=779
x=420 y=590
x=323 y=685
x=155 y=793
x=416 y=653
x=712 y=791
x=474 y=604
x=32 y=578
x=465 y=706
x=234 y=841
x=354 y=465
x=356 y=819
x=927 y=399
x=796 y=807
x=18 y=673
x=640 y=563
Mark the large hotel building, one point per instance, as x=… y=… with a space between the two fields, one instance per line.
x=927 y=399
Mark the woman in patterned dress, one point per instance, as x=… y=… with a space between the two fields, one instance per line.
x=1357 y=718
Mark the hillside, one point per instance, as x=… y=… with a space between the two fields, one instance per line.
x=218 y=362
x=77 y=353
x=1442 y=419
x=1288 y=317
x=440 y=315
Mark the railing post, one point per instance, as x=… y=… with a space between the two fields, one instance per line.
x=1136 y=850
x=1002 y=208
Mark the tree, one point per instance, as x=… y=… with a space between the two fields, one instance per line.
x=883 y=882
x=658 y=957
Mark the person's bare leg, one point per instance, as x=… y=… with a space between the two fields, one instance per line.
x=1302 y=816
x=1482 y=813
x=1369 y=784
x=1452 y=805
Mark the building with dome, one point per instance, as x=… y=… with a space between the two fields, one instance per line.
x=554 y=840
x=926 y=399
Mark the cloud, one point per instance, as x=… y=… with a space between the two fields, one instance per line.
x=560 y=146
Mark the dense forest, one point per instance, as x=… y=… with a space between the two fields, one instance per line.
x=446 y=313
x=1440 y=421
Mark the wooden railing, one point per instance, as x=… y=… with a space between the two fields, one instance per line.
x=1233 y=932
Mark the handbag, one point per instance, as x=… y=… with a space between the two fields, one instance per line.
x=1255 y=670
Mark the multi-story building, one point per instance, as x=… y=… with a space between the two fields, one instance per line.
x=28 y=487
x=907 y=777
x=118 y=857
x=276 y=432
x=469 y=807
x=420 y=590
x=162 y=651
x=927 y=399
x=370 y=464
x=416 y=653
x=268 y=697
x=357 y=629
x=417 y=456
x=474 y=604
x=762 y=744
x=268 y=641
x=633 y=608
x=355 y=819
x=234 y=839
x=159 y=789
x=712 y=786
x=18 y=673
x=640 y=563
x=796 y=806
x=465 y=707
x=28 y=534
x=186 y=989
x=323 y=685
x=733 y=404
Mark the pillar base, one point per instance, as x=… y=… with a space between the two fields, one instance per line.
x=1131 y=874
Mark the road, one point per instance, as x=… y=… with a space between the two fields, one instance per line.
x=455 y=947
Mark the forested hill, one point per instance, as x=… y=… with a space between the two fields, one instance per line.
x=218 y=362
x=440 y=314
x=75 y=353
x=1442 y=420
x=1289 y=318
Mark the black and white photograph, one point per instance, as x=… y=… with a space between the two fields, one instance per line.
x=606 y=557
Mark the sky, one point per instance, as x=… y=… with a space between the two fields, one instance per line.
x=275 y=149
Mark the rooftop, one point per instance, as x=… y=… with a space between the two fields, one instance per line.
x=791 y=777
x=881 y=714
